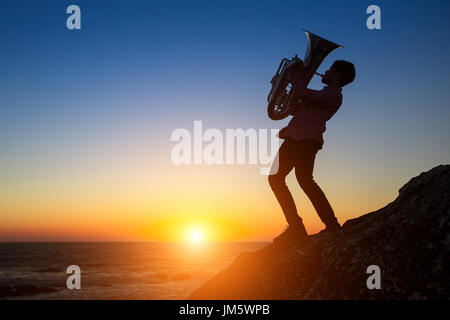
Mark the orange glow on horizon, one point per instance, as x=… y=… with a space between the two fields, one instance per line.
x=196 y=229
x=226 y=203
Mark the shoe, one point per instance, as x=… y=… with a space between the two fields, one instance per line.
x=331 y=228
x=291 y=233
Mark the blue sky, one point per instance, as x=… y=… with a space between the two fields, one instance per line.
x=140 y=69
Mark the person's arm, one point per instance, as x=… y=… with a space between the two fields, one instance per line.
x=316 y=97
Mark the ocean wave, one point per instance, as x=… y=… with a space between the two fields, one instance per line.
x=24 y=290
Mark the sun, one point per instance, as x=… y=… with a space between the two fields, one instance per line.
x=196 y=236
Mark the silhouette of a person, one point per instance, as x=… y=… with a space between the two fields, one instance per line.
x=303 y=139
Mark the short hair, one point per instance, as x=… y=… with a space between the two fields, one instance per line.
x=347 y=70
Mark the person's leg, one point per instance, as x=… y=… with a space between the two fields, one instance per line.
x=285 y=163
x=304 y=166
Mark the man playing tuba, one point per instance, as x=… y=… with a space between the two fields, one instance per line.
x=303 y=138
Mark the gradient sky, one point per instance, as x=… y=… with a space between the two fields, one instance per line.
x=86 y=116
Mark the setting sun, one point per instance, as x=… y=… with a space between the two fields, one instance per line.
x=196 y=236
x=195 y=228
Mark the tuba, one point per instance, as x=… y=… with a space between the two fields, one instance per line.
x=281 y=97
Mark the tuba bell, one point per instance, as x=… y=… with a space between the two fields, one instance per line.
x=281 y=97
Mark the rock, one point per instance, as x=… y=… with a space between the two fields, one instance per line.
x=409 y=240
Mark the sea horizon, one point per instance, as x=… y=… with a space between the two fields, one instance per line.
x=113 y=270
x=137 y=241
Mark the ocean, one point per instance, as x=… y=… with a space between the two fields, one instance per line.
x=113 y=270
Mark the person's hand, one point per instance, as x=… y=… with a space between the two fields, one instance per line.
x=293 y=108
x=282 y=133
x=298 y=71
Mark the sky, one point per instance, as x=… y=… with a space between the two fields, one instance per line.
x=86 y=115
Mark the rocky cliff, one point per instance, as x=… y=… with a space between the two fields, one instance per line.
x=409 y=240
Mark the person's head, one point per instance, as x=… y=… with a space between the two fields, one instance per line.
x=340 y=73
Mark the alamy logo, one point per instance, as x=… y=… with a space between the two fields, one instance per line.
x=234 y=146
x=373 y=281
x=374 y=20
x=74 y=20
x=74 y=280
